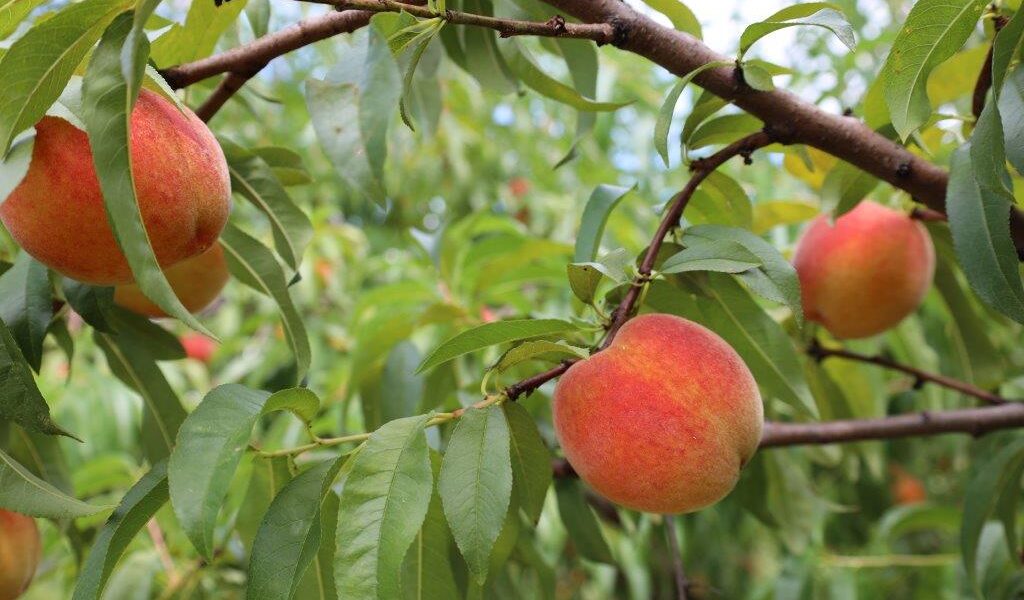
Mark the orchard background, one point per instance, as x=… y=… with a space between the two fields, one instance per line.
x=442 y=206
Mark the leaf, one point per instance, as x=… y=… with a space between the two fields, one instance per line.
x=286 y=164
x=137 y=507
x=724 y=256
x=107 y=99
x=933 y=32
x=26 y=306
x=722 y=130
x=705 y=106
x=982 y=493
x=583 y=280
x=12 y=13
x=668 y=108
x=92 y=303
x=197 y=38
x=551 y=351
x=253 y=264
x=844 y=187
x=20 y=400
x=531 y=460
x=681 y=16
x=23 y=492
x=38 y=65
x=209 y=445
x=1005 y=47
x=522 y=65
x=818 y=14
x=289 y=537
x=319 y=580
x=253 y=178
x=979 y=221
x=401 y=388
x=419 y=45
x=771 y=214
x=779 y=282
x=580 y=522
x=602 y=202
x=383 y=504
x=131 y=361
x=1011 y=111
x=299 y=401
x=427 y=570
x=14 y=166
x=490 y=334
x=476 y=484
x=757 y=77
x=257 y=12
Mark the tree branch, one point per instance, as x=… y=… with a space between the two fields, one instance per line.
x=249 y=59
x=556 y=26
x=224 y=91
x=819 y=353
x=973 y=421
x=985 y=76
x=790 y=119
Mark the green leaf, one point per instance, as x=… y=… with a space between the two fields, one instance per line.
x=12 y=13
x=419 y=45
x=299 y=401
x=131 y=360
x=318 y=583
x=758 y=77
x=289 y=537
x=209 y=445
x=383 y=504
x=253 y=264
x=602 y=202
x=26 y=306
x=668 y=108
x=583 y=280
x=531 y=460
x=844 y=187
x=351 y=111
x=401 y=388
x=286 y=163
x=92 y=303
x=107 y=99
x=982 y=494
x=817 y=14
x=20 y=400
x=254 y=179
x=542 y=349
x=721 y=255
x=476 y=484
x=933 y=32
x=775 y=278
x=23 y=492
x=267 y=476
x=14 y=166
x=978 y=219
x=681 y=16
x=771 y=214
x=427 y=571
x=137 y=507
x=257 y=12
x=523 y=66
x=705 y=106
x=723 y=130
x=1005 y=47
x=204 y=25
x=40 y=63
x=1011 y=111
x=580 y=522
x=490 y=334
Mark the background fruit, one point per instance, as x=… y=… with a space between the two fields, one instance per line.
x=181 y=179
x=198 y=347
x=196 y=281
x=866 y=272
x=20 y=550
x=662 y=420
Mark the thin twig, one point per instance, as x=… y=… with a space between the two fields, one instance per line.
x=602 y=33
x=227 y=88
x=819 y=352
x=973 y=421
x=157 y=536
x=985 y=75
x=675 y=552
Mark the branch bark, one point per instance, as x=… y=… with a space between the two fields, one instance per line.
x=819 y=352
x=790 y=119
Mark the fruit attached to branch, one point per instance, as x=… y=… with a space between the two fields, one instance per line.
x=196 y=281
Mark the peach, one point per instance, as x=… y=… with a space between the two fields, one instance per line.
x=196 y=281
x=181 y=180
x=198 y=347
x=864 y=274
x=20 y=551
x=663 y=419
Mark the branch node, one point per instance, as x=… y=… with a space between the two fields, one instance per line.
x=816 y=351
x=918 y=383
x=903 y=170
x=847 y=112
x=620 y=32
x=557 y=24
x=782 y=134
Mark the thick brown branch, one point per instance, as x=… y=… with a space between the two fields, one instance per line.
x=973 y=421
x=789 y=118
x=820 y=352
x=700 y=170
x=249 y=59
x=555 y=27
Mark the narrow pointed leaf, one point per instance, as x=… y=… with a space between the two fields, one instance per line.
x=26 y=306
x=490 y=334
x=23 y=492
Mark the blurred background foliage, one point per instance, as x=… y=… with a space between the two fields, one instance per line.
x=478 y=225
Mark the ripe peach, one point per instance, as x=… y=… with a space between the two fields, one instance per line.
x=663 y=419
x=198 y=347
x=196 y=281
x=866 y=272
x=181 y=180
x=20 y=551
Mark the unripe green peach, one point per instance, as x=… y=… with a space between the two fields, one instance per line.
x=20 y=551
x=864 y=274
x=196 y=281
x=181 y=181
x=663 y=419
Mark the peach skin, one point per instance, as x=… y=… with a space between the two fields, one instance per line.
x=196 y=281
x=20 y=551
